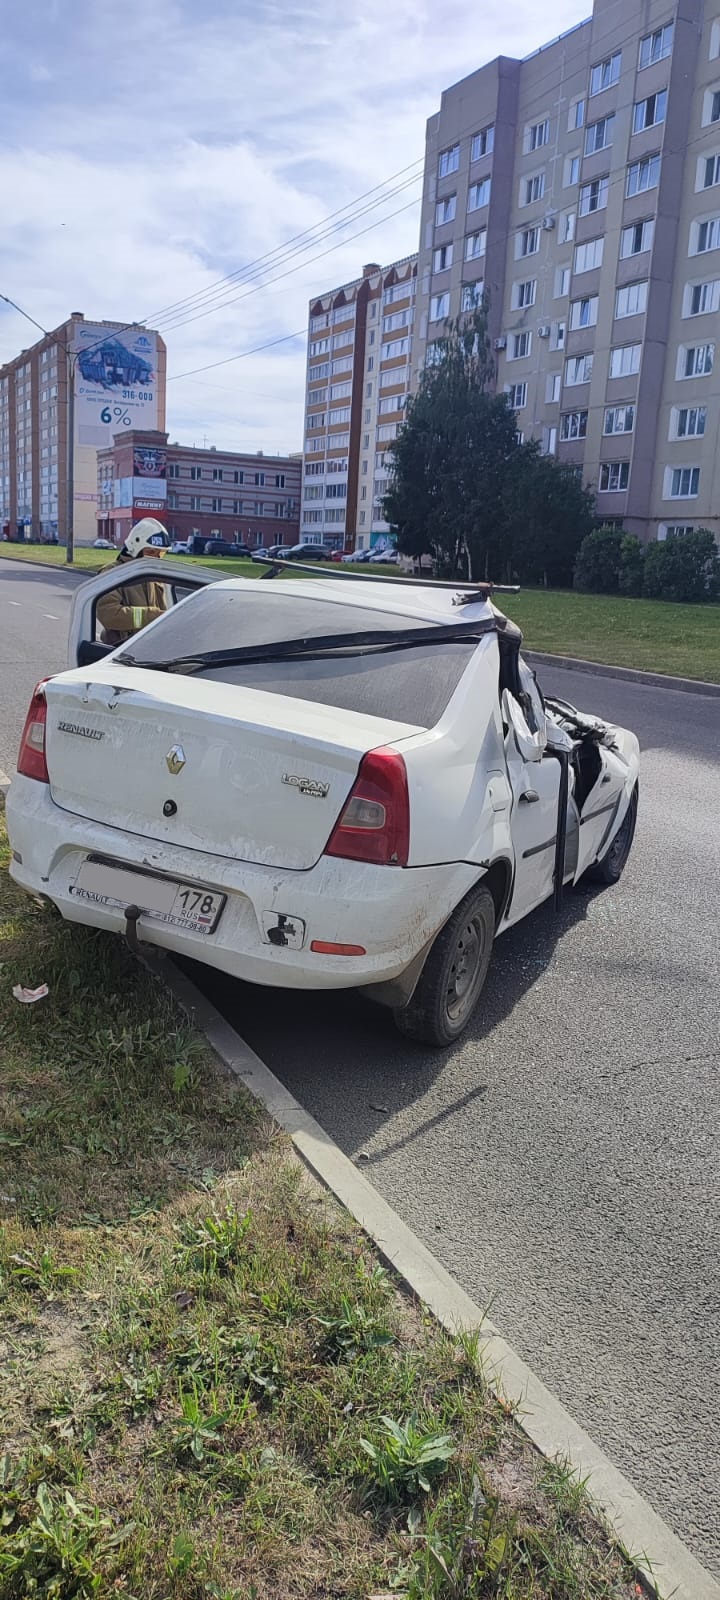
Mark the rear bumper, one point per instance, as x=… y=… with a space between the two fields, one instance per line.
x=393 y=913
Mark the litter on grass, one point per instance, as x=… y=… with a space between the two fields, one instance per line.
x=27 y=997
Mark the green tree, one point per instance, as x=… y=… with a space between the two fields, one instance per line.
x=597 y=565
x=685 y=566
x=463 y=488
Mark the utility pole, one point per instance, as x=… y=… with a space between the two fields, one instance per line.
x=70 y=414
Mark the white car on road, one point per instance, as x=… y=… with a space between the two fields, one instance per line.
x=331 y=782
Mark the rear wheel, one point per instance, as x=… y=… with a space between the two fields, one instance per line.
x=453 y=977
x=609 y=867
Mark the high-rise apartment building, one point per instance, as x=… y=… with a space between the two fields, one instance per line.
x=581 y=188
x=118 y=377
x=358 y=377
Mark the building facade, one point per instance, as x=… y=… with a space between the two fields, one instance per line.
x=358 y=378
x=581 y=189
x=221 y=494
x=118 y=377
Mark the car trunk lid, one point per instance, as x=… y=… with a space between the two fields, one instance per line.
x=212 y=766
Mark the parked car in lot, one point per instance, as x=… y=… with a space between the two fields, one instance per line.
x=308 y=552
x=103 y=544
x=388 y=557
x=318 y=784
x=180 y=547
x=223 y=547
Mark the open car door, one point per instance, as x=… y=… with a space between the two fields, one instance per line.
x=86 y=642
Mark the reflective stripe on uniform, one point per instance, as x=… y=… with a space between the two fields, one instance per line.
x=137 y=616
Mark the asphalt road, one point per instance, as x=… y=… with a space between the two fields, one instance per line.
x=562 y=1161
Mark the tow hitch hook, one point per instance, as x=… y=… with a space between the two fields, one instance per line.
x=131 y=934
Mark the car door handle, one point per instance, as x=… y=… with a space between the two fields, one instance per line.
x=529 y=797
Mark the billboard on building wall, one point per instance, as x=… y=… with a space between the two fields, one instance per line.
x=116 y=382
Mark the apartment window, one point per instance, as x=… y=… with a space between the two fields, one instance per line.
x=523 y=294
x=475 y=244
x=562 y=282
x=553 y=385
x=312 y=517
x=341 y=339
x=670 y=530
x=320 y=371
x=368 y=414
x=527 y=243
x=573 y=425
x=216 y=505
x=317 y=397
x=449 y=161
x=589 y=256
x=536 y=135
x=576 y=115
x=319 y=347
x=643 y=175
x=704 y=236
x=599 y=135
x=394 y=402
x=688 y=422
x=619 y=419
x=709 y=174
x=258 y=508
x=584 y=313
x=567 y=227
x=519 y=346
x=471 y=296
x=632 y=300
x=557 y=336
x=194 y=502
x=445 y=210
x=338 y=463
x=482 y=143
x=401 y=319
x=517 y=395
x=637 y=238
x=478 y=195
x=605 y=74
x=681 y=483
x=701 y=297
x=648 y=113
x=578 y=369
x=442 y=259
x=656 y=46
x=340 y=391
x=532 y=189
x=341 y=414
x=695 y=360
x=711 y=110
x=370 y=363
x=312 y=445
x=314 y=469
x=239 y=477
x=439 y=306
x=316 y=419
x=342 y=364
x=196 y=474
x=571 y=171
x=320 y=321
x=173 y=470
x=313 y=491
x=624 y=360
x=395 y=347
x=217 y=473
x=614 y=476
x=336 y=491
x=593 y=196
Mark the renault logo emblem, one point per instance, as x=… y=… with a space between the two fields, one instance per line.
x=175 y=759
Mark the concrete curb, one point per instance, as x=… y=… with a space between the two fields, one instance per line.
x=600 y=669
x=663 y=1558
x=52 y=566
x=4 y=782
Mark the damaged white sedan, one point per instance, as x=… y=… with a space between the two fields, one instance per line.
x=333 y=782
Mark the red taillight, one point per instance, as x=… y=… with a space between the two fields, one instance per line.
x=375 y=823
x=31 y=759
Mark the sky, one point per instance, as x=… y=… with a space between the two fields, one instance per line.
x=150 y=150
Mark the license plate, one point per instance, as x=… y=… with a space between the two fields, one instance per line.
x=183 y=905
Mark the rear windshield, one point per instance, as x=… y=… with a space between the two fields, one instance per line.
x=413 y=686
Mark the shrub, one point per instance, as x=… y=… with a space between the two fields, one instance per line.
x=684 y=566
x=597 y=564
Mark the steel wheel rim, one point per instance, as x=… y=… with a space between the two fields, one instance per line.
x=619 y=849
x=465 y=976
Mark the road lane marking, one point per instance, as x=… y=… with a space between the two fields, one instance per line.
x=51 y=616
x=14 y=602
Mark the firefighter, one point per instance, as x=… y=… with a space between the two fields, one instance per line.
x=124 y=611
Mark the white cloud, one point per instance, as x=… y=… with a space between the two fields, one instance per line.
x=147 y=151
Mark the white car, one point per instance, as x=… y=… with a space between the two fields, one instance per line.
x=180 y=547
x=103 y=544
x=317 y=784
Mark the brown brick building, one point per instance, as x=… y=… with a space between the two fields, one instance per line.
x=221 y=494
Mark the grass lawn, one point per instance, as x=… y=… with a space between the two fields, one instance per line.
x=209 y=1386
x=653 y=635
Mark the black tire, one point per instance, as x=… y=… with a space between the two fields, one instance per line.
x=453 y=976
x=610 y=866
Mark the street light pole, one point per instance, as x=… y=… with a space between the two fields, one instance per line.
x=70 y=413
